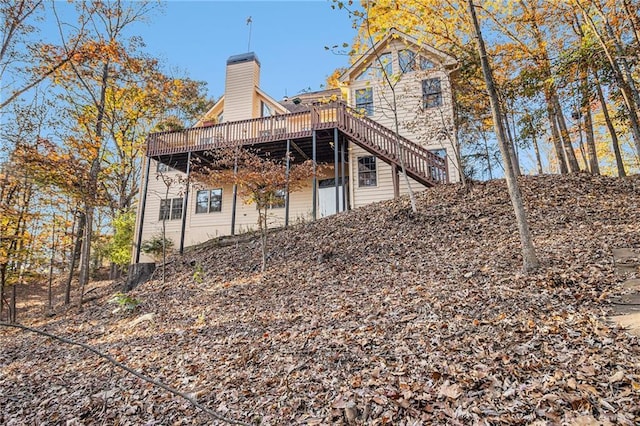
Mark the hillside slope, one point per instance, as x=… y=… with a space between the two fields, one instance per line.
x=374 y=316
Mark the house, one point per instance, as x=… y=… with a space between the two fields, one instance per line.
x=350 y=129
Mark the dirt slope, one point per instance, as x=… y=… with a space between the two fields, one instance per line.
x=376 y=316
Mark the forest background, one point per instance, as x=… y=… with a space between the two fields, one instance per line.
x=81 y=90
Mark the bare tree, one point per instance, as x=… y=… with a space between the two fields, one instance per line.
x=530 y=261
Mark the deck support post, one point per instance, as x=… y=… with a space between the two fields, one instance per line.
x=286 y=189
x=314 y=209
x=143 y=206
x=185 y=204
x=342 y=172
x=336 y=148
x=234 y=198
x=396 y=181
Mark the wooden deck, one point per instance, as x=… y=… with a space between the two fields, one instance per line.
x=422 y=165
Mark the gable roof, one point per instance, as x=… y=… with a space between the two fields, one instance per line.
x=445 y=59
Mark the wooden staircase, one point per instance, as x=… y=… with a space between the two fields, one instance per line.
x=420 y=164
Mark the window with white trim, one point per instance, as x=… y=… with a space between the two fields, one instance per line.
x=431 y=93
x=364 y=100
x=367 y=174
x=209 y=201
x=170 y=209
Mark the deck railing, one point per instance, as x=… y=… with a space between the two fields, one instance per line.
x=420 y=163
x=244 y=132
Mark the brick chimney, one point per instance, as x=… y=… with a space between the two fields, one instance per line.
x=243 y=76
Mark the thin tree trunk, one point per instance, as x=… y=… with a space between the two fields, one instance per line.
x=555 y=137
x=594 y=167
x=612 y=130
x=530 y=261
x=625 y=89
x=572 y=161
x=537 y=151
x=53 y=254
x=75 y=254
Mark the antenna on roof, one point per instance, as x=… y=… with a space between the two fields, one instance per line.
x=249 y=23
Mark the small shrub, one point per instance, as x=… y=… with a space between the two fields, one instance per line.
x=125 y=301
x=154 y=246
x=198 y=273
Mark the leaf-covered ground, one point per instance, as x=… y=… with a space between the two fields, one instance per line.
x=375 y=316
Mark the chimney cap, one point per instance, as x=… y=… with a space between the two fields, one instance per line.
x=243 y=57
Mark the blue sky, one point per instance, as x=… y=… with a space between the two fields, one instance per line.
x=197 y=37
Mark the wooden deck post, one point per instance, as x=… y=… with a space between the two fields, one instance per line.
x=286 y=193
x=344 y=181
x=143 y=206
x=234 y=199
x=314 y=209
x=185 y=204
x=336 y=147
x=396 y=181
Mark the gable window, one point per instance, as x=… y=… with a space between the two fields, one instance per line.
x=431 y=93
x=387 y=65
x=265 y=111
x=426 y=64
x=220 y=117
x=209 y=201
x=367 y=175
x=364 y=75
x=406 y=60
x=364 y=100
x=170 y=208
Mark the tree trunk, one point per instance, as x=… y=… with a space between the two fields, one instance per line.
x=92 y=185
x=530 y=261
x=594 y=167
x=625 y=89
x=555 y=137
x=75 y=254
x=564 y=134
x=537 y=151
x=612 y=130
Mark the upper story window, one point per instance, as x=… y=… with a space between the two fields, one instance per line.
x=409 y=61
x=387 y=65
x=406 y=60
x=364 y=75
x=364 y=100
x=220 y=117
x=265 y=111
x=431 y=93
x=209 y=201
x=367 y=174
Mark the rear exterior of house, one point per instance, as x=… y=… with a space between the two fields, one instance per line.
x=350 y=130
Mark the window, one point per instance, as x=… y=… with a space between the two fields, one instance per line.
x=276 y=200
x=209 y=201
x=406 y=60
x=431 y=93
x=265 y=111
x=426 y=64
x=220 y=117
x=367 y=175
x=176 y=208
x=387 y=65
x=409 y=61
x=162 y=168
x=364 y=75
x=364 y=100
x=170 y=208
